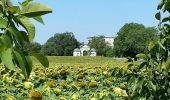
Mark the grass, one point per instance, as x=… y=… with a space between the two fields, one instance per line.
x=81 y=61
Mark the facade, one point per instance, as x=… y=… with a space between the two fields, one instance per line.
x=77 y=52
x=110 y=41
x=84 y=50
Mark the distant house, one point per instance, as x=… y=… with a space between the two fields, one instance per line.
x=110 y=41
x=84 y=50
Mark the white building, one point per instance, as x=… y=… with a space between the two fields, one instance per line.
x=93 y=52
x=77 y=52
x=84 y=50
x=110 y=41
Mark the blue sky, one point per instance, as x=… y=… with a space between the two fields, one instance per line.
x=87 y=18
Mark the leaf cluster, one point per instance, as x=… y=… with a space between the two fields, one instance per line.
x=12 y=39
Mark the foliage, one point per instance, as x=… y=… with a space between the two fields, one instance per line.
x=150 y=80
x=132 y=39
x=32 y=47
x=69 y=78
x=12 y=39
x=98 y=43
x=61 y=44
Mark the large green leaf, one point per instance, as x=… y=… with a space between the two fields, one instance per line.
x=28 y=65
x=20 y=59
x=3 y=23
x=20 y=36
x=35 y=9
x=42 y=59
x=7 y=59
x=5 y=42
x=28 y=25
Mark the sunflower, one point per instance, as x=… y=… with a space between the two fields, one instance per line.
x=81 y=84
x=93 y=84
x=35 y=95
x=51 y=83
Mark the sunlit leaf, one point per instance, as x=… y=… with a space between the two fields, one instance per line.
x=43 y=60
x=35 y=9
x=7 y=59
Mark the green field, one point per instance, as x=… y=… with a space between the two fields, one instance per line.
x=67 y=78
x=84 y=61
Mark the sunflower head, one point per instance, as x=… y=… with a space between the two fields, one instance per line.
x=51 y=83
x=93 y=84
x=81 y=84
x=35 y=95
x=63 y=84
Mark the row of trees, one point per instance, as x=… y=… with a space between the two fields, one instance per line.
x=61 y=44
x=131 y=39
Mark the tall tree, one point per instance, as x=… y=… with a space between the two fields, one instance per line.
x=132 y=39
x=61 y=44
x=32 y=47
x=98 y=43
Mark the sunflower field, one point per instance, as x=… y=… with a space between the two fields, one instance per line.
x=68 y=78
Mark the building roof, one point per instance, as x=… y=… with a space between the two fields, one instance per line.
x=77 y=50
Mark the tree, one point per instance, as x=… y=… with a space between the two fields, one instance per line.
x=32 y=47
x=132 y=39
x=12 y=38
x=61 y=44
x=150 y=80
x=98 y=43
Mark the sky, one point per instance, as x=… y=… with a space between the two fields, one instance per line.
x=86 y=18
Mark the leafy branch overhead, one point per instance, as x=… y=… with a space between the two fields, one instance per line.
x=12 y=39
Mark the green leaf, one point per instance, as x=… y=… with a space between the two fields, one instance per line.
x=143 y=64
x=28 y=65
x=39 y=19
x=28 y=25
x=14 y=9
x=24 y=3
x=140 y=85
x=9 y=3
x=158 y=16
x=5 y=42
x=166 y=19
x=3 y=23
x=7 y=59
x=167 y=64
x=142 y=56
x=20 y=36
x=42 y=59
x=35 y=9
x=161 y=45
x=20 y=59
x=151 y=85
x=160 y=5
x=151 y=45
